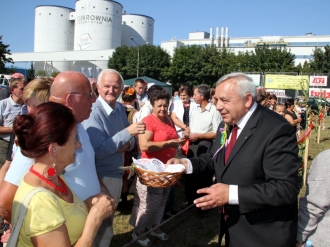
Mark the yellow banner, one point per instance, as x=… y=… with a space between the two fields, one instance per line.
x=286 y=82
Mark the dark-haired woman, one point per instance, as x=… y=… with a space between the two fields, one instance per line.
x=56 y=216
x=160 y=141
x=272 y=100
x=290 y=115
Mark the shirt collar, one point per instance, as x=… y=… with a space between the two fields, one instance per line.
x=241 y=123
x=106 y=106
x=207 y=107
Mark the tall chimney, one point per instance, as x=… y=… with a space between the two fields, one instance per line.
x=222 y=36
x=226 y=38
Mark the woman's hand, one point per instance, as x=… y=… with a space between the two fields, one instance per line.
x=174 y=143
x=6 y=234
x=186 y=131
x=103 y=207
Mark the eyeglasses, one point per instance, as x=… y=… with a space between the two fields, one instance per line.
x=91 y=94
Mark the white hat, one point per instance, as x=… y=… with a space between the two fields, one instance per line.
x=150 y=84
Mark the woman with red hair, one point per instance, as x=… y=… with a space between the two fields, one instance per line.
x=55 y=216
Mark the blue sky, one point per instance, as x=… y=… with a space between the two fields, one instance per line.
x=176 y=18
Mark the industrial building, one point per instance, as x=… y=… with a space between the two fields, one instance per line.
x=301 y=46
x=83 y=39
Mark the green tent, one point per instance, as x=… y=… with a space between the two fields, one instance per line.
x=130 y=82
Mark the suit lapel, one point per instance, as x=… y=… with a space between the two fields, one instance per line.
x=243 y=137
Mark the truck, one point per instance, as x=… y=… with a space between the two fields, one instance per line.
x=4 y=80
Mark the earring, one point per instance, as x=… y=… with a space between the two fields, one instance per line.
x=50 y=172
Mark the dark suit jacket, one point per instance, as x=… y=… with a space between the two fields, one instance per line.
x=264 y=164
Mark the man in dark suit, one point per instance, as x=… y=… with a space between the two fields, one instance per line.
x=257 y=179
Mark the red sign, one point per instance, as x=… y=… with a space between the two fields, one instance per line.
x=319 y=92
x=318 y=81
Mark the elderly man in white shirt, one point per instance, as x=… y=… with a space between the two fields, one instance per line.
x=203 y=127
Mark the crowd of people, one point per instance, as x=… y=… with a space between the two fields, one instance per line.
x=70 y=138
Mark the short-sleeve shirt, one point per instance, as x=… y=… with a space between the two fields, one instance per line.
x=9 y=109
x=205 y=121
x=161 y=132
x=46 y=212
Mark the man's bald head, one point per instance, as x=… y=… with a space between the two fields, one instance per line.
x=67 y=82
x=72 y=89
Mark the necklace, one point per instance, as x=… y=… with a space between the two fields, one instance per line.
x=63 y=189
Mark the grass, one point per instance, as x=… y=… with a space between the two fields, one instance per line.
x=192 y=228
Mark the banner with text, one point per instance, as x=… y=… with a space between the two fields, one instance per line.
x=316 y=80
x=319 y=92
x=277 y=92
x=286 y=82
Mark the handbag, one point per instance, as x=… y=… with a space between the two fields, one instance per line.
x=21 y=211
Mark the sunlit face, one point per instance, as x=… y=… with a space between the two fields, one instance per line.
x=280 y=110
x=160 y=107
x=272 y=101
x=139 y=88
x=197 y=97
x=32 y=103
x=66 y=153
x=18 y=91
x=184 y=97
x=110 y=88
x=231 y=106
x=83 y=101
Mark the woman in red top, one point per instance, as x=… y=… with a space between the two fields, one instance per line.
x=160 y=141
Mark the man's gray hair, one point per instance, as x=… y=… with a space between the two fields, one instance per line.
x=244 y=84
x=109 y=71
x=204 y=90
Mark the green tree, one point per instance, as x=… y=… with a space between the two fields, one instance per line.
x=55 y=73
x=153 y=60
x=186 y=66
x=31 y=73
x=3 y=59
x=246 y=62
x=11 y=70
x=304 y=69
x=274 y=59
x=119 y=59
x=321 y=60
x=197 y=65
x=41 y=73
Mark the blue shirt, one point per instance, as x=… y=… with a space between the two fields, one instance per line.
x=107 y=131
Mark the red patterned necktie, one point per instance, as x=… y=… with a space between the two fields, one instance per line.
x=232 y=142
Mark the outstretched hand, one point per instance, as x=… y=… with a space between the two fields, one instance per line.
x=175 y=161
x=216 y=195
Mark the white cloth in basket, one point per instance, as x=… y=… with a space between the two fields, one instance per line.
x=156 y=165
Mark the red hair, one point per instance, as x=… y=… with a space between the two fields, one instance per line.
x=47 y=123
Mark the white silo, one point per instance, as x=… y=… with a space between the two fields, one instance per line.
x=53 y=29
x=139 y=27
x=97 y=25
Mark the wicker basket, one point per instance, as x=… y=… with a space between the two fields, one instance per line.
x=155 y=178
